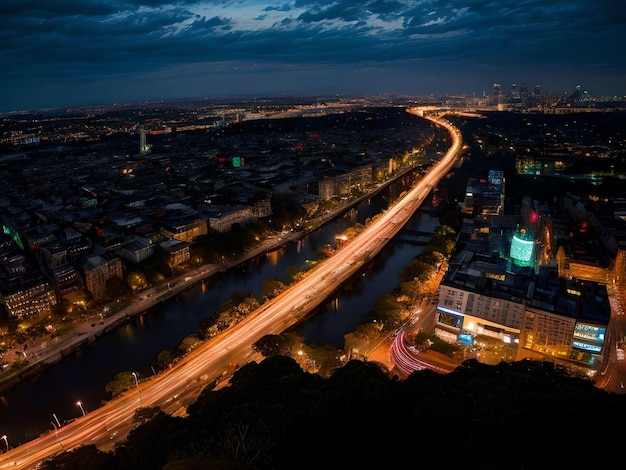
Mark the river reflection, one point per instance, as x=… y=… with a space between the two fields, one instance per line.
x=27 y=410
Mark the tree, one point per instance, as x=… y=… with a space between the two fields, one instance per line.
x=362 y=339
x=166 y=357
x=144 y=414
x=295 y=273
x=272 y=288
x=389 y=312
x=136 y=280
x=88 y=456
x=270 y=345
x=120 y=383
x=248 y=305
x=189 y=342
x=417 y=270
x=411 y=289
x=151 y=444
x=117 y=287
x=286 y=212
x=430 y=256
x=445 y=231
x=207 y=327
x=326 y=357
x=273 y=414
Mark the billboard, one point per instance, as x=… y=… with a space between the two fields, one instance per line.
x=522 y=247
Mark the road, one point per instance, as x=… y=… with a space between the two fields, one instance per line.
x=173 y=388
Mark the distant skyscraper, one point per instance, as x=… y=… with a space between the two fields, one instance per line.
x=143 y=145
x=497 y=94
x=523 y=91
x=577 y=95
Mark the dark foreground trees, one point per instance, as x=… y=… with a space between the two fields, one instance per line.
x=522 y=415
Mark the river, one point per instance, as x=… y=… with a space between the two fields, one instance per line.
x=30 y=408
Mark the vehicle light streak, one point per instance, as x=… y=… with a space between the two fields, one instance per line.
x=169 y=388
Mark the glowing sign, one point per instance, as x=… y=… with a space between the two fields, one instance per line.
x=465 y=338
x=589 y=332
x=450 y=319
x=522 y=246
x=14 y=236
x=587 y=347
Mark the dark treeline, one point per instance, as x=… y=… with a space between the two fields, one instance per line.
x=273 y=415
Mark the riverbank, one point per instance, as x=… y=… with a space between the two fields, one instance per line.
x=37 y=355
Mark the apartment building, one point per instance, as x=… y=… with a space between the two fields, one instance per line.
x=98 y=269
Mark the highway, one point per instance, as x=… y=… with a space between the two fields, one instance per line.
x=176 y=387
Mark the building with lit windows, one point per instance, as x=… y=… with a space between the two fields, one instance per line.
x=480 y=295
x=523 y=247
x=185 y=229
x=176 y=251
x=98 y=269
x=342 y=185
x=546 y=316
x=139 y=250
x=35 y=297
x=24 y=290
x=484 y=197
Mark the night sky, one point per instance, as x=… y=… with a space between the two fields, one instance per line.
x=56 y=53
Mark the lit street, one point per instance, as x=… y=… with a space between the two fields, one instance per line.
x=175 y=387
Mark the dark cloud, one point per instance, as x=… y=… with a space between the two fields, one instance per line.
x=45 y=44
x=46 y=8
x=283 y=7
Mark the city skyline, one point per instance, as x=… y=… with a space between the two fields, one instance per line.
x=58 y=54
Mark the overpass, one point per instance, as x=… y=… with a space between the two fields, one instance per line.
x=413 y=237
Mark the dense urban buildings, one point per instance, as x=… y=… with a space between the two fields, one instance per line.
x=81 y=215
x=101 y=191
x=538 y=270
x=505 y=284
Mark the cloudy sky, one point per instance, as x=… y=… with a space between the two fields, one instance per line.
x=56 y=53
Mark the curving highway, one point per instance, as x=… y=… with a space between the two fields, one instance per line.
x=406 y=358
x=179 y=385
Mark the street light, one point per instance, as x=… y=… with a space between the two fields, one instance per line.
x=56 y=419
x=137 y=386
x=80 y=405
x=56 y=433
x=6 y=441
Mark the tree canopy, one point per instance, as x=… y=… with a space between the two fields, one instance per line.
x=273 y=415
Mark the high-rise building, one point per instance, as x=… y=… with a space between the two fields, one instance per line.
x=143 y=144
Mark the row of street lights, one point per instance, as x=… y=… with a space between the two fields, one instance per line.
x=80 y=404
x=57 y=424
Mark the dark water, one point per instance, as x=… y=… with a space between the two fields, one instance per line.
x=27 y=410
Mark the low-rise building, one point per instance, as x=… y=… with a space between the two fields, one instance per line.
x=137 y=250
x=176 y=251
x=98 y=269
